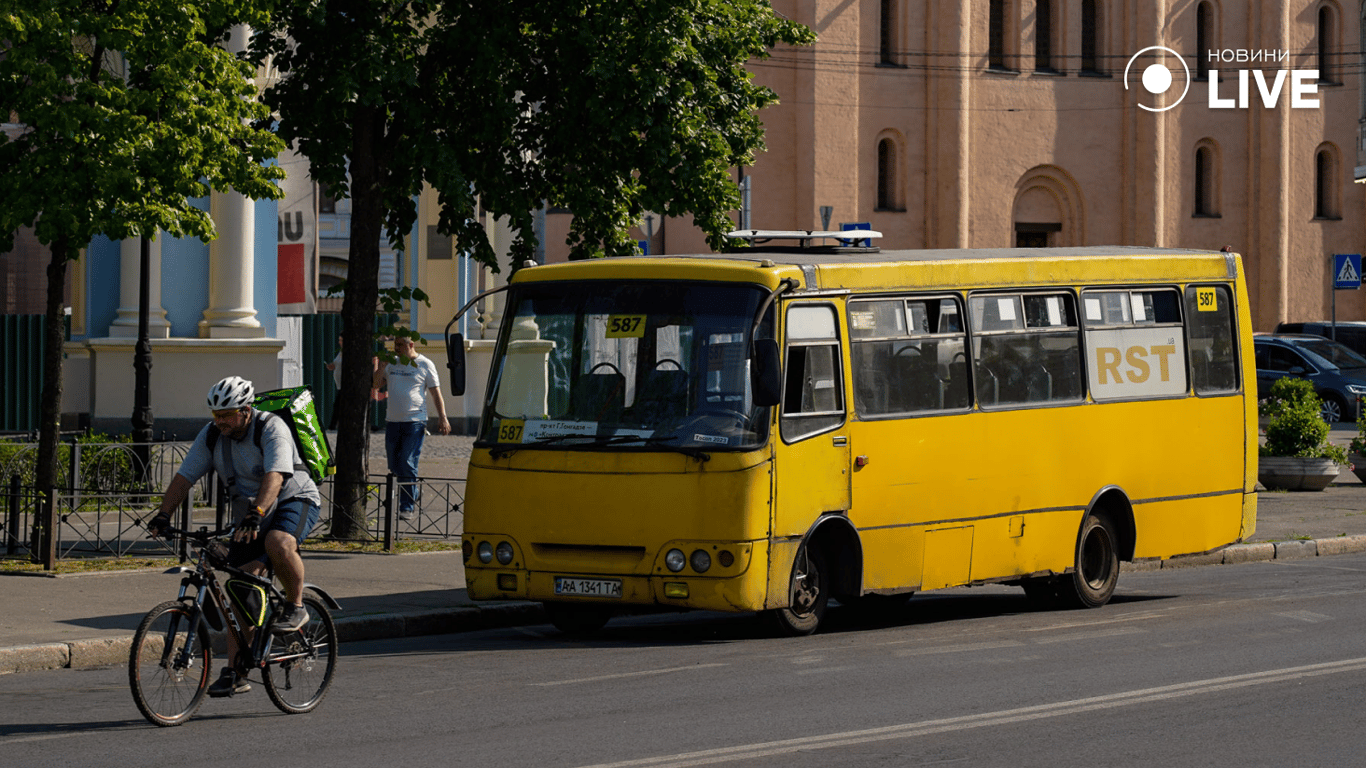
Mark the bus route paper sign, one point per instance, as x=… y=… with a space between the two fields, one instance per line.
x=1346 y=271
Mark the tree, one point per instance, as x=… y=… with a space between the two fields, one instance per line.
x=607 y=107
x=128 y=109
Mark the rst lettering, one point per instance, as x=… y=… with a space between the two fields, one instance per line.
x=1139 y=366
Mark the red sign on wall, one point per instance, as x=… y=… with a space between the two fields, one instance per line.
x=290 y=286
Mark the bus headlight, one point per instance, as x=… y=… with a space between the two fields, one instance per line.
x=700 y=561
x=674 y=560
x=503 y=553
x=485 y=552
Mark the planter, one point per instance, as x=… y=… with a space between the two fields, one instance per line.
x=1291 y=473
x=1358 y=465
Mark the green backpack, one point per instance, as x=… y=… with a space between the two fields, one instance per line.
x=295 y=406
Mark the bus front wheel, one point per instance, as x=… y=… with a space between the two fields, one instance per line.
x=808 y=594
x=1093 y=580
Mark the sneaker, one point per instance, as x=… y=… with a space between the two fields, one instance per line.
x=406 y=514
x=228 y=684
x=291 y=619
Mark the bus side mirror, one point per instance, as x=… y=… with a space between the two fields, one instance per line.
x=763 y=373
x=455 y=362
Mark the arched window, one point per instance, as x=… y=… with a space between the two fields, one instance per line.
x=886 y=175
x=1327 y=44
x=1325 y=184
x=888 y=48
x=1090 y=38
x=996 y=34
x=1206 y=182
x=1043 y=36
x=1204 y=38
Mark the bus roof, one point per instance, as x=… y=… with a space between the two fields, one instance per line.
x=864 y=268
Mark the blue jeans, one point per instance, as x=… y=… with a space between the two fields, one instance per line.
x=403 y=443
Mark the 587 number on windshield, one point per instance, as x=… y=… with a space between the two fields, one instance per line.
x=625 y=326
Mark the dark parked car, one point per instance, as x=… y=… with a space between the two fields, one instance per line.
x=1352 y=333
x=1338 y=373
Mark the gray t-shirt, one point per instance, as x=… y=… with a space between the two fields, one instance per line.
x=250 y=465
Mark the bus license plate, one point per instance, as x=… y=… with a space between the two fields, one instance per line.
x=587 y=587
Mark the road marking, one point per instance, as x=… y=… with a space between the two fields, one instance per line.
x=964 y=648
x=987 y=719
x=620 y=675
x=44 y=737
x=1116 y=632
x=1306 y=616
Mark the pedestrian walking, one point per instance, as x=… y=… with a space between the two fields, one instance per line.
x=409 y=382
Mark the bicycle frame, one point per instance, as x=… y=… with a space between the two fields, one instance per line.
x=203 y=580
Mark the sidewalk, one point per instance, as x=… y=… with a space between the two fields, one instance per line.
x=87 y=620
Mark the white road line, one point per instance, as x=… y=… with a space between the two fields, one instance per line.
x=44 y=737
x=987 y=719
x=963 y=648
x=620 y=675
x=1116 y=632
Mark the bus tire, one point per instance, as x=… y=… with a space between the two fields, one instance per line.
x=808 y=594
x=1092 y=582
x=576 y=618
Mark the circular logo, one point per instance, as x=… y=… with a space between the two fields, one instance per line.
x=1157 y=79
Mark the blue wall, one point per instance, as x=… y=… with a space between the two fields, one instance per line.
x=184 y=278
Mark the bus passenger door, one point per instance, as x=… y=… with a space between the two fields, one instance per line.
x=811 y=466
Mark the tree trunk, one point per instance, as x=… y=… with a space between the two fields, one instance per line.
x=50 y=408
x=358 y=312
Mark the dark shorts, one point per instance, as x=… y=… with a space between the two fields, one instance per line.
x=285 y=518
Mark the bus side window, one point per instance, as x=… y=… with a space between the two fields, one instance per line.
x=813 y=391
x=1210 y=336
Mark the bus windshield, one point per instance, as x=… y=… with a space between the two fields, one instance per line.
x=626 y=365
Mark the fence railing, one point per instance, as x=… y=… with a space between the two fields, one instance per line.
x=107 y=497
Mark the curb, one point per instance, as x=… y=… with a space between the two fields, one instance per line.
x=110 y=651
x=102 y=652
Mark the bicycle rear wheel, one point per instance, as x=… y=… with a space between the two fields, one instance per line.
x=169 y=677
x=301 y=663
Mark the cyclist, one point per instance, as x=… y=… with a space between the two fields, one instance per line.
x=274 y=501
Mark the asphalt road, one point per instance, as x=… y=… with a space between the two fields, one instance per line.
x=1244 y=665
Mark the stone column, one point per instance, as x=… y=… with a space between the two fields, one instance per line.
x=125 y=325
x=526 y=372
x=231 y=313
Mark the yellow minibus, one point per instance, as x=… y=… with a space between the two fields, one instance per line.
x=770 y=429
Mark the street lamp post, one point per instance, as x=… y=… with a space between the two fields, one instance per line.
x=142 y=368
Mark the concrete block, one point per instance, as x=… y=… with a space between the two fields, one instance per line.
x=32 y=658
x=1191 y=561
x=104 y=652
x=1296 y=550
x=1341 y=545
x=1249 y=553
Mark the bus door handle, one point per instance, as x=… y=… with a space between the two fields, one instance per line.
x=839 y=440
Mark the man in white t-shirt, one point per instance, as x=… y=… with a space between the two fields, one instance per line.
x=409 y=381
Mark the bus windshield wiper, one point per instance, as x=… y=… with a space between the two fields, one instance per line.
x=654 y=440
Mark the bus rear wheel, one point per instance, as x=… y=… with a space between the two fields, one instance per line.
x=808 y=593
x=1092 y=582
x=576 y=618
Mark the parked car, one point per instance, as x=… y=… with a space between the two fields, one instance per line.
x=1338 y=373
x=1352 y=333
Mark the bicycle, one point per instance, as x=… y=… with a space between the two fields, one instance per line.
x=170 y=665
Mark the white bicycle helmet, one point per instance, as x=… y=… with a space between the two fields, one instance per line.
x=232 y=392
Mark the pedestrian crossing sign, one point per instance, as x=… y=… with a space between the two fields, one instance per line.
x=1347 y=271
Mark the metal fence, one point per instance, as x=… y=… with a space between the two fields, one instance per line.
x=106 y=498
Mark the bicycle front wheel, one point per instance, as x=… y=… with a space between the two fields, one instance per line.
x=167 y=670
x=301 y=663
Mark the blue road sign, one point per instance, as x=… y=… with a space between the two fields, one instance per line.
x=866 y=242
x=1346 y=271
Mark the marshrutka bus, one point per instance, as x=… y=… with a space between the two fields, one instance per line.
x=770 y=429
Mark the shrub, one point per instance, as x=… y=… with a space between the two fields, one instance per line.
x=1297 y=427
